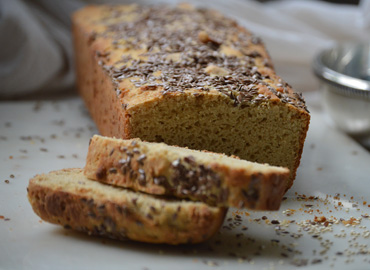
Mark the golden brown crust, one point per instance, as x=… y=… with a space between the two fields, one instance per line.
x=67 y=198
x=97 y=88
x=159 y=169
x=143 y=103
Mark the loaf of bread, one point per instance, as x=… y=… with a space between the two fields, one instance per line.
x=157 y=168
x=68 y=198
x=188 y=77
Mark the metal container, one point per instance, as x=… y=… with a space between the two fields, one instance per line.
x=344 y=71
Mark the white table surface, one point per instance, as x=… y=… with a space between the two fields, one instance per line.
x=40 y=136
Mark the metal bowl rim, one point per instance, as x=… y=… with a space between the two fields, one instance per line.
x=352 y=85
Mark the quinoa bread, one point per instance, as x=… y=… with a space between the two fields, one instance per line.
x=68 y=198
x=189 y=77
x=185 y=199
x=159 y=169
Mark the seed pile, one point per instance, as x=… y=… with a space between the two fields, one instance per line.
x=290 y=231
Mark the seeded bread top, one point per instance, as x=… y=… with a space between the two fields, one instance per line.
x=151 y=51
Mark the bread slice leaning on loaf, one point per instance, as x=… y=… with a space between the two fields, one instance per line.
x=188 y=77
x=157 y=168
x=68 y=198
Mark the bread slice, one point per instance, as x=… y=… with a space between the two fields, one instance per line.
x=157 y=168
x=68 y=198
x=188 y=77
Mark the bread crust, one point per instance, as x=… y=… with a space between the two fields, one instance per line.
x=67 y=198
x=96 y=88
x=305 y=119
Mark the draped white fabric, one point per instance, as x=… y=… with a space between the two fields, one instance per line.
x=36 y=47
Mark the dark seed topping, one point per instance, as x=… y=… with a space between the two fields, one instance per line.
x=123 y=210
x=125 y=164
x=196 y=180
x=141 y=158
x=100 y=173
x=197 y=46
x=160 y=180
x=190 y=160
x=133 y=174
x=142 y=177
x=112 y=170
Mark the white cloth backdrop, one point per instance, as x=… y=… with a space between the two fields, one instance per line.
x=36 y=48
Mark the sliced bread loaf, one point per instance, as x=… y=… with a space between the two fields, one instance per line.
x=157 y=168
x=188 y=77
x=68 y=198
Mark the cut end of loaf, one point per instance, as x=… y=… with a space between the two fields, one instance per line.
x=270 y=132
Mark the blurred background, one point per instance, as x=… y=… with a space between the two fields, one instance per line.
x=351 y=2
x=36 y=56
